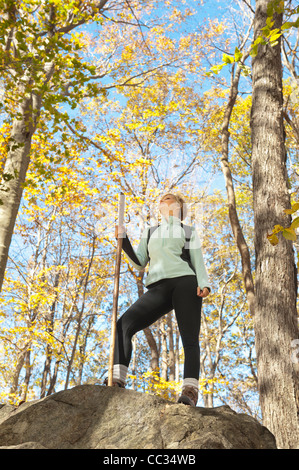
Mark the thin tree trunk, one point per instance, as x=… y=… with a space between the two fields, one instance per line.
x=15 y=168
x=83 y=348
x=153 y=348
x=27 y=376
x=53 y=380
x=164 y=355
x=177 y=354
x=232 y=207
x=85 y=280
x=134 y=363
x=276 y=279
x=15 y=379
x=49 y=351
x=46 y=371
x=171 y=354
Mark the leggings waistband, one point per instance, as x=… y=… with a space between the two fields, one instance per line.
x=162 y=281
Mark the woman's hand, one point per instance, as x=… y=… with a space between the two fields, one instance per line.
x=203 y=292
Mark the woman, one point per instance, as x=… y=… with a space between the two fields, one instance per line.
x=177 y=279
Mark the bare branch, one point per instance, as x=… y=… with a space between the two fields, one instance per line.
x=249 y=6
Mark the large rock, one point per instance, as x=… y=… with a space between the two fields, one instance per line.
x=98 y=417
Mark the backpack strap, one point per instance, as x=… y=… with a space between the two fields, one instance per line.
x=188 y=234
x=149 y=234
x=185 y=251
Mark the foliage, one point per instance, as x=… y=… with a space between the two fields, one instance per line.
x=155 y=384
x=288 y=232
x=129 y=107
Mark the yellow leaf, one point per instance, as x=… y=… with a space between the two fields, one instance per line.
x=295 y=208
x=277 y=229
x=273 y=239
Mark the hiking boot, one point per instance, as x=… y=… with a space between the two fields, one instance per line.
x=115 y=383
x=189 y=396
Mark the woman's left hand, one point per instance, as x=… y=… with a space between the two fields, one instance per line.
x=203 y=292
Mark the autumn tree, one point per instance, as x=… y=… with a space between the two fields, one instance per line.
x=276 y=323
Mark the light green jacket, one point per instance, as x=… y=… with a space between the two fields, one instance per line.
x=164 y=253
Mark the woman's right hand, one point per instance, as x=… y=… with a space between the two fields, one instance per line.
x=120 y=231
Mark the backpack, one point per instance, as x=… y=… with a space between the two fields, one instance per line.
x=185 y=251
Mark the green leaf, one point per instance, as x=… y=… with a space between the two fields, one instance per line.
x=227 y=59
x=238 y=55
x=274 y=37
x=270 y=9
x=288 y=25
x=295 y=223
x=253 y=52
x=246 y=70
x=266 y=31
x=289 y=234
x=254 y=48
x=269 y=21
x=216 y=68
x=280 y=7
x=7 y=176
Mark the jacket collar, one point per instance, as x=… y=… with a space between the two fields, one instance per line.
x=172 y=220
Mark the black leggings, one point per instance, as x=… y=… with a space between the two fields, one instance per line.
x=180 y=294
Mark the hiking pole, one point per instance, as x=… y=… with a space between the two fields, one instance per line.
x=121 y=211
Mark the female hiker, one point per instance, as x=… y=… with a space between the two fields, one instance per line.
x=177 y=279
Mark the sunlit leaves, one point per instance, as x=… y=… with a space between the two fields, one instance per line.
x=269 y=33
x=288 y=232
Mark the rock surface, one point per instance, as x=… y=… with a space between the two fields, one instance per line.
x=98 y=417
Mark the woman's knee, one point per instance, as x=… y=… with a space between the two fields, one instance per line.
x=125 y=327
x=191 y=345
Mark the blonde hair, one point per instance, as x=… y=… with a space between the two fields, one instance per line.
x=180 y=200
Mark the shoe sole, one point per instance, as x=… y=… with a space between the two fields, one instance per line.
x=186 y=401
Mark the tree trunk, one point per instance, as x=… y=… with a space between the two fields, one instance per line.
x=171 y=353
x=276 y=282
x=15 y=168
x=83 y=348
x=26 y=382
x=232 y=207
x=164 y=354
x=134 y=363
x=16 y=374
x=177 y=354
x=53 y=380
x=49 y=350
